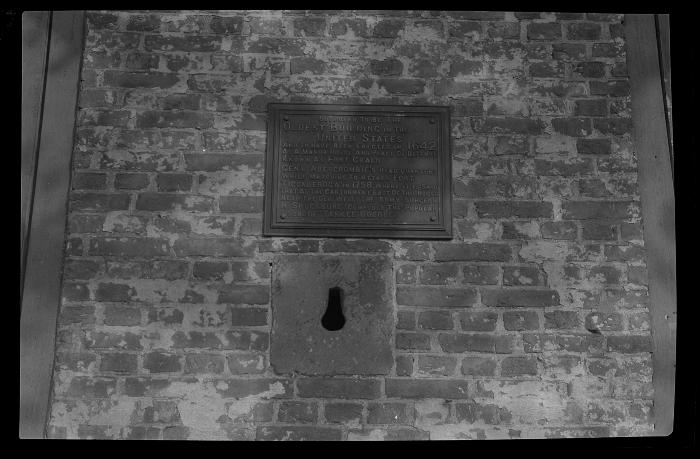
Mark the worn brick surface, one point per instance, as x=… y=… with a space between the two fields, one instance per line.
x=532 y=322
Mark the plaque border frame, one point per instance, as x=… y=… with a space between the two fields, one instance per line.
x=442 y=229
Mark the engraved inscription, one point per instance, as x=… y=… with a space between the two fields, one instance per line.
x=384 y=169
x=358 y=167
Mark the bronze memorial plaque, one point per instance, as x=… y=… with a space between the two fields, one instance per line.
x=381 y=171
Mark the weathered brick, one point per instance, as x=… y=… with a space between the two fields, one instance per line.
x=413 y=341
x=161 y=362
x=445 y=251
x=345 y=388
x=388 y=28
x=249 y=317
x=524 y=276
x=544 y=31
x=406 y=274
x=387 y=413
x=583 y=31
x=211 y=247
x=574 y=127
x=436 y=320
x=386 y=67
x=603 y=321
x=197 y=43
x=559 y=320
x=360 y=245
x=128 y=181
x=298 y=433
x=629 y=253
x=507 y=125
x=571 y=343
x=593 y=146
x=89 y=181
x=613 y=126
x=119 y=363
x=226 y=25
x=357 y=27
x=630 y=344
x=309 y=27
x=99 y=202
x=591 y=107
x=513 y=209
x=520 y=320
x=204 y=363
x=426 y=388
x=343 y=413
x=402 y=85
x=478 y=366
x=478 y=320
x=128 y=247
x=439 y=297
x=120 y=79
x=244 y=294
x=593 y=69
x=298 y=412
x=77 y=314
x=475 y=342
x=210 y=270
x=241 y=204
x=523 y=297
x=519 y=366
x=589 y=210
x=174 y=182
x=474 y=412
x=167 y=201
x=436 y=365
x=480 y=274
x=439 y=274
x=595 y=230
x=121 y=315
x=404 y=365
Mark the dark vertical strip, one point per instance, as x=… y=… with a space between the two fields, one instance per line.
x=658 y=208
x=42 y=282
x=36 y=29
x=664 y=49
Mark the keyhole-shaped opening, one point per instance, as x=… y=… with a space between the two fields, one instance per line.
x=333 y=319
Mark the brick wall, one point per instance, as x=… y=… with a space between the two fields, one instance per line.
x=532 y=322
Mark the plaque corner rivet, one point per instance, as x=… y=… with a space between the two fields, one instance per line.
x=432 y=219
x=432 y=120
x=282 y=217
